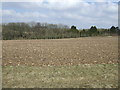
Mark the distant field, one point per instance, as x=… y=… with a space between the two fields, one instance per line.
x=76 y=62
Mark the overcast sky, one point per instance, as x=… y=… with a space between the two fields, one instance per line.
x=103 y=14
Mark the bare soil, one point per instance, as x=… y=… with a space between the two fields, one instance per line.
x=57 y=52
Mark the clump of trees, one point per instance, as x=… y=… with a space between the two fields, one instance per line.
x=94 y=31
x=50 y=31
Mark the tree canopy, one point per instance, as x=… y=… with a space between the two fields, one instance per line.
x=50 y=31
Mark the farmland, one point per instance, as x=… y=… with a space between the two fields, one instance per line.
x=75 y=62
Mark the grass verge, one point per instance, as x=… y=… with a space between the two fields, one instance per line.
x=78 y=76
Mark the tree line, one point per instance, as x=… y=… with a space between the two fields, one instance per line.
x=38 y=30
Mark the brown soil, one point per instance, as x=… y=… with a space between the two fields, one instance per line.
x=74 y=51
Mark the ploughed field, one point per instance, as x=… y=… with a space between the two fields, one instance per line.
x=57 y=52
x=90 y=62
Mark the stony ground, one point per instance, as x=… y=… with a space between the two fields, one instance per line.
x=89 y=62
x=56 y=52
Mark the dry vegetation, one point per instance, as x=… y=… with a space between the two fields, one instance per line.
x=80 y=62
